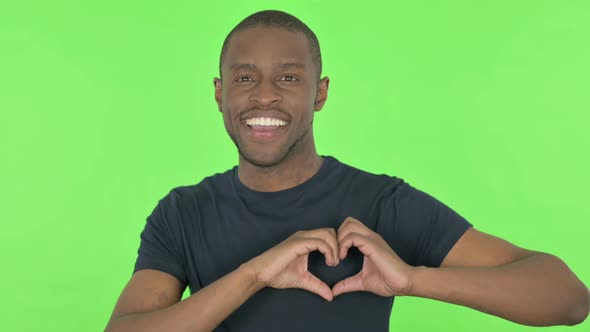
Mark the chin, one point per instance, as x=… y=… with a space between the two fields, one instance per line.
x=263 y=159
x=262 y=162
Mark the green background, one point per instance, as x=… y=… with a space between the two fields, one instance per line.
x=107 y=105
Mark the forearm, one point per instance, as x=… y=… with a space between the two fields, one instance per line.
x=539 y=290
x=202 y=311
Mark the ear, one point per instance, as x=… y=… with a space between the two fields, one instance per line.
x=322 y=94
x=217 y=84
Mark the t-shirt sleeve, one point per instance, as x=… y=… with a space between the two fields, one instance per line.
x=162 y=241
x=428 y=227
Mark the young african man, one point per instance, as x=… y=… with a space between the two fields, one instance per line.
x=290 y=240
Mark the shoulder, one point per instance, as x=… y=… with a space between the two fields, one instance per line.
x=362 y=181
x=213 y=182
x=392 y=193
x=181 y=197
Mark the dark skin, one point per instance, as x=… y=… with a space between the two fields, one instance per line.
x=269 y=73
x=276 y=77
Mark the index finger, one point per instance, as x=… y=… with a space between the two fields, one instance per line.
x=351 y=225
x=304 y=246
x=329 y=236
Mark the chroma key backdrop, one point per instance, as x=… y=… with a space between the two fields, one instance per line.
x=108 y=105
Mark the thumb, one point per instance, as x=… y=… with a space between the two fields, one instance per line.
x=350 y=284
x=312 y=284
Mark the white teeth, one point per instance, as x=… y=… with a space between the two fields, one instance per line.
x=265 y=122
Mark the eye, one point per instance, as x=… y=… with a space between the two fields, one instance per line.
x=243 y=79
x=289 y=78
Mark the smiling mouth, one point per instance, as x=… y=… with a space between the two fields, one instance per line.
x=265 y=122
x=265 y=127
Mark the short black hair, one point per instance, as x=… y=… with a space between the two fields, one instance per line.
x=276 y=19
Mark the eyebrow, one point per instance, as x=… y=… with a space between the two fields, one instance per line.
x=246 y=66
x=252 y=67
x=289 y=65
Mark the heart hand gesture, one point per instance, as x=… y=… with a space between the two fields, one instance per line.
x=285 y=265
x=383 y=272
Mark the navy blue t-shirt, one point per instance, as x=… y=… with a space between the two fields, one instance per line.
x=202 y=232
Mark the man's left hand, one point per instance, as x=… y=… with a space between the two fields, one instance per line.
x=383 y=272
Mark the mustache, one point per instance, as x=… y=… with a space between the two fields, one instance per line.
x=264 y=109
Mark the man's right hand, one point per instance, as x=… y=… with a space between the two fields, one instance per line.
x=285 y=265
x=150 y=301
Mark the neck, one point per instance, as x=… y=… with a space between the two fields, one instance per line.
x=291 y=172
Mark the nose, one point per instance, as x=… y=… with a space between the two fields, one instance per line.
x=266 y=94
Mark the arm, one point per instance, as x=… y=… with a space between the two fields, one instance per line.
x=481 y=271
x=491 y=275
x=150 y=301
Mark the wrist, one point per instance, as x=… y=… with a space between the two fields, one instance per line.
x=414 y=277
x=251 y=276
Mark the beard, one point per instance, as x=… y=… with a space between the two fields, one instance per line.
x=273 y=160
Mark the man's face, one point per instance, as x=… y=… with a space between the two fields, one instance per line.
x=269 y=93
